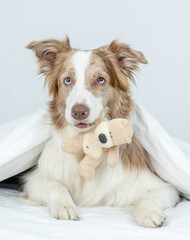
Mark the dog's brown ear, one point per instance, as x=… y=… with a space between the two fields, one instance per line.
x=127 y=58
x=47 y=52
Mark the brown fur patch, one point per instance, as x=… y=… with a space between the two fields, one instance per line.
x=135 y=156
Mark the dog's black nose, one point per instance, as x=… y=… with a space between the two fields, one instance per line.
x=80 y=112
x=102 y=138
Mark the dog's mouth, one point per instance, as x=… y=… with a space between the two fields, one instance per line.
x=83 y=125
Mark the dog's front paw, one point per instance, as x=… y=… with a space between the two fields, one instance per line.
x=149 y=216
x=63 y=211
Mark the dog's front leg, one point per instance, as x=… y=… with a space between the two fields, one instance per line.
x=60 y=203
x=148 y=210
x=54 y=195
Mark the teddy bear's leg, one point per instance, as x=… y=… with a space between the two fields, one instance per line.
x=113 y=156
x=87 y=166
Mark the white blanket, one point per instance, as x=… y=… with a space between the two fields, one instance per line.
x=19 y=220
x=169 y=157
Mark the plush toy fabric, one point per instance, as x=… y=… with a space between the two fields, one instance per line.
x=103 y=139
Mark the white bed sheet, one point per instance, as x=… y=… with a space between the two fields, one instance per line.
x=20 y=220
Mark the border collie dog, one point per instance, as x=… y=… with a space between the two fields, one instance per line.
x=83 y=85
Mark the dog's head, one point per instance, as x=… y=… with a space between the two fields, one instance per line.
x=84 y=84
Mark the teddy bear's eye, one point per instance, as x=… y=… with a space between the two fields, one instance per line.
x=102 y=137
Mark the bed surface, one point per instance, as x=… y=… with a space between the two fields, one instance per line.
x=20 y=220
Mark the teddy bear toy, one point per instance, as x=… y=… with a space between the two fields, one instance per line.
x=104 y=138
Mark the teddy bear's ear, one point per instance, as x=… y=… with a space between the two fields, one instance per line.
x=120 y=130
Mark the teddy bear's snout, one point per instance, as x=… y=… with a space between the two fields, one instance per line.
x=102 y=137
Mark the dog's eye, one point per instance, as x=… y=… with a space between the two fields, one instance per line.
x=67 y=81
x=101 y=80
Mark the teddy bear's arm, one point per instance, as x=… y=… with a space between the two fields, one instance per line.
x=73 y=145
x=113 y=156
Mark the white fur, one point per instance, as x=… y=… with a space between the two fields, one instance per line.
x=57 y=184
x=79 y=94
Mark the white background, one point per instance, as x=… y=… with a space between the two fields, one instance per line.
x=160 y=29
